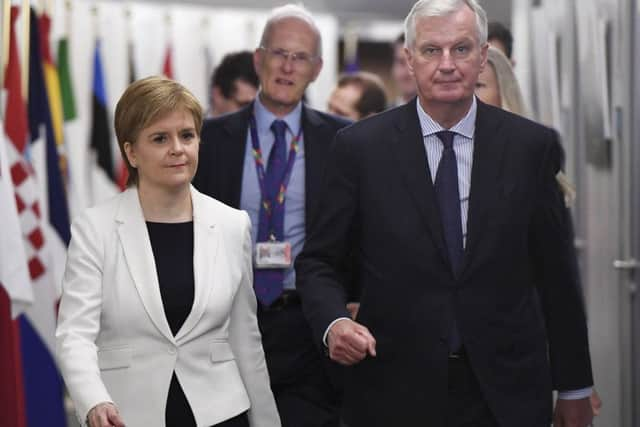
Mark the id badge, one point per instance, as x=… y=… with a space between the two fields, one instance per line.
x=273 y=255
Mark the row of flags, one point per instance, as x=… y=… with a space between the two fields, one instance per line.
x=31 y=266
x=36 y=181
x=34 y=206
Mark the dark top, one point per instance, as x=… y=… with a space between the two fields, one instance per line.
x=172 y=245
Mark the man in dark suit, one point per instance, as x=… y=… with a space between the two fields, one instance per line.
x=268 y=159
x=470 y=311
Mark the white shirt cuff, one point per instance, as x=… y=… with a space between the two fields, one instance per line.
x=575 y=394
x=326 y=333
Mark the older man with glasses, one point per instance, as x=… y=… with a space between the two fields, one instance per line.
x=267 y=159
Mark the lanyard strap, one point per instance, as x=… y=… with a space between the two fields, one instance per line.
x=267 y=200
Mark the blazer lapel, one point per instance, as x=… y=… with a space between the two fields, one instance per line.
x=412 y=158
x=488 y=155
x=317 y=139
x=138 y=254
x=231 y=161
x=205 y=248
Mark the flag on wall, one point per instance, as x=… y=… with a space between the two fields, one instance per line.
x=12 y=405
x=74 y=136
x=66 y=84
x=15 y=296
x=45 y=111
x=100 y=133
x=52 y=82
x=167 y=65
x=14 y=274
x=27 y=204
x=42 y=381
x=123 y=173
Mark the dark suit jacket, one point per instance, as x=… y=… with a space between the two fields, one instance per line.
x=219 y=175
x=378 y=200
x=223 y=146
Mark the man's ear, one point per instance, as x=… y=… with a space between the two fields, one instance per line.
x=410 y=58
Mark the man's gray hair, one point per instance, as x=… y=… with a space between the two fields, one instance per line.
x=427 y=8
x=289 y=11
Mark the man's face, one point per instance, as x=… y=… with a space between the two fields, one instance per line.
x=402 y=77
x=242 y=95
x=343 y=102
x=447 y=58
x=283 y=78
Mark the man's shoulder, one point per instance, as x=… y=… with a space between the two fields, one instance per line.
x=318 y=117
x=518 y=122
x=384 y=122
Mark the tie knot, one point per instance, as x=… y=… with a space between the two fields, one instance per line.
x=446 y=136
x=279 y=127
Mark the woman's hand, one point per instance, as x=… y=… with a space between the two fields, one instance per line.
x=104 y=415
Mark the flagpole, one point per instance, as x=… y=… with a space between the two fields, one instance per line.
x=4 y=53
x=26 y=21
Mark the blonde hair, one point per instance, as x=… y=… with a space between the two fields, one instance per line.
x=145 y=101
x=510 y=94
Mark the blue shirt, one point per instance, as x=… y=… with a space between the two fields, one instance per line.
x=294 y=207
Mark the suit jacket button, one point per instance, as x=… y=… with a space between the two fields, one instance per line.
x=171 y=350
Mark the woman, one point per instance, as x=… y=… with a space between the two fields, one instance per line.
x=157 y=322
x=497 y=84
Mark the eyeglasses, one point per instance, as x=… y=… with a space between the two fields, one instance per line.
x=298 y=59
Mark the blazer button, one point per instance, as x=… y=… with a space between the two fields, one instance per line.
x=171 y=350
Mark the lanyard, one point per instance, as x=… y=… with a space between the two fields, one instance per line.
x=267 y=200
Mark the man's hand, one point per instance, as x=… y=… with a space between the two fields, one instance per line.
x=104 y=415
x=350 y=342
x=573 y=413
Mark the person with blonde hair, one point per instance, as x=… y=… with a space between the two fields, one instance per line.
x=497 y=84
x=157 y=322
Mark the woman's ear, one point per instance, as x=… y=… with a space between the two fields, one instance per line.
x=131 y=155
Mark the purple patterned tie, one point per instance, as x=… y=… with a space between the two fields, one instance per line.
x=448 y=195
x=268 y=282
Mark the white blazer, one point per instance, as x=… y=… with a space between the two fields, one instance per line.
x=113 y=339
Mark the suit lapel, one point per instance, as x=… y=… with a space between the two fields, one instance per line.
x=488 y=155
x=412 y=159
x=317 y=139
x=231 y=160
x=138 y=254
x=205 y=248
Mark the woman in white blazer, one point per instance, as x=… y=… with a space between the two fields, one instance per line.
x=157 y=323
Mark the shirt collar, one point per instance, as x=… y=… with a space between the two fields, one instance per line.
x=465 y=127
x=264 y=117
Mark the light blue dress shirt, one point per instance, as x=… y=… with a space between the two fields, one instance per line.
x=463 y=147
x=250 y=197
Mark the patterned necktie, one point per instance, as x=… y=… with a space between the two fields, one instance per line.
x=268 y=282
x=448 y=195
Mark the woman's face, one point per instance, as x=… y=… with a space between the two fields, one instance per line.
x=487 y=88
x=166 y=152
